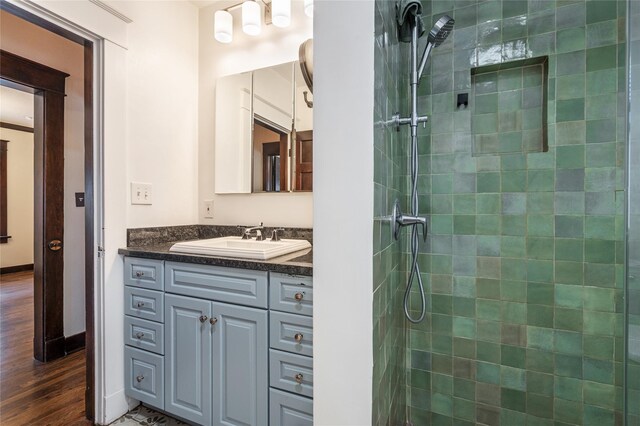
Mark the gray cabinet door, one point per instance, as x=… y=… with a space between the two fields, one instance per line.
x=240 y=369
x=188 y=358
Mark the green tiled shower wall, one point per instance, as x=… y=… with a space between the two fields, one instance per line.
x=389 y=274
x=525 y=259
x=633 y=281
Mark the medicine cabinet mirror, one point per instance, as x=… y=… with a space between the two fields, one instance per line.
x=264 y=131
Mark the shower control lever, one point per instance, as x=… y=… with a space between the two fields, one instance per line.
x=400 y=219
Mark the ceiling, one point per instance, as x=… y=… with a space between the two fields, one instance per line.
x=15 y=106
x=222 y=4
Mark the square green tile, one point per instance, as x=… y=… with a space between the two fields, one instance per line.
x=540 y=316
x=570 y=110
x=600 y=58
x=568 y=319
x=569 y=272
x=570 y=39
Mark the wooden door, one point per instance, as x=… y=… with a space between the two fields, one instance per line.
x=188 y=358
x=48 y=86
x=304 y=161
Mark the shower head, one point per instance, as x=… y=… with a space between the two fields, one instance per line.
x=437 y=36
x=441 y=30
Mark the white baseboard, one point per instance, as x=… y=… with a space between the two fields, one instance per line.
x=116 y=405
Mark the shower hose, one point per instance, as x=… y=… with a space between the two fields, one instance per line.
x=415 y=269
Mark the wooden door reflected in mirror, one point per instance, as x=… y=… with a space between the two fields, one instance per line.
x=304 y=161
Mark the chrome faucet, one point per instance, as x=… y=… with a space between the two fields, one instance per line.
x=246 y=234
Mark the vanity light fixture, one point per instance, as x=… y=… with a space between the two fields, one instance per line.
x=223 y=26
x=308 y=8
x=251 y=19
x=281 y=13
x=276 y=12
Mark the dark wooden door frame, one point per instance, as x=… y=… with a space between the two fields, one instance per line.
x=90 y=247
x=47 y=86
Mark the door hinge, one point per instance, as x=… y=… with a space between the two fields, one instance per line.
x=100 y=251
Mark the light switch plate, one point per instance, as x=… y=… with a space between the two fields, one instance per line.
x=208 y=209
x=141 y=193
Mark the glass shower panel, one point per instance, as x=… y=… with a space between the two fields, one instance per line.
x=633 y=238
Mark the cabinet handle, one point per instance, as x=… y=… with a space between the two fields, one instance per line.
x=203 y=318
x=139 y=274
x=139 y=335
x=298 y=337
x=213 y=320
x=140 y=304
x=299 y=296
x=299 y=378
x=140 y=378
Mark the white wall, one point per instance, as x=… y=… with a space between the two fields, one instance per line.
x=32 y=42
x=162 y=109
x=343 y=214
x=19 y=248
x=274 y=46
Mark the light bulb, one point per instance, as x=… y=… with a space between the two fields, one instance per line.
x=308 y=8
x=223 y=26
x=281 y=13
x=251 y=20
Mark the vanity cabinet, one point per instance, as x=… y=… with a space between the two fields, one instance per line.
x=215 y=362
x=219 y=346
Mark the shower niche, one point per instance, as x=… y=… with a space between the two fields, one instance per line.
x=509 y=107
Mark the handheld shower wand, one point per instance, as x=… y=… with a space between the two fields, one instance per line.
x=437 y=35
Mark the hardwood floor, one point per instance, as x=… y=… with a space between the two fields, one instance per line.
x=31 y=392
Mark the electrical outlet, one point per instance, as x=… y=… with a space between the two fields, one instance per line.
x=208 y=209
x=141 y=193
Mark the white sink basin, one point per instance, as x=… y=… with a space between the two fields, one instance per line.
x=237 y=247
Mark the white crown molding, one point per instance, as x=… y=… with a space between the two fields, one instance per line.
x=112 y=11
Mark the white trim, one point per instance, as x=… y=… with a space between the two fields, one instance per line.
x=112 y=11
x=117 y=404
x=82 y=17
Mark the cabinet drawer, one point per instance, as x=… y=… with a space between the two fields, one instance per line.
x=286 y=409
x=291 y=333
x=142 y=303
x=291 y=293
x=143 y=334
x=293 y=373
x=144 y=376
x=145 y=273
x=231 y=285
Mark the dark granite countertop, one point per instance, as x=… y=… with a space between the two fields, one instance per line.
x=149 y=246
x=297 y=263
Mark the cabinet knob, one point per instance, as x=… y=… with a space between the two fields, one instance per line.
x=298 y=337
x=139 y=335
x=139 y=274
x=299 y=378
x=140 y=378
x=299 y=296
x=140 y=304
x=203 y=318
x=213 y=320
